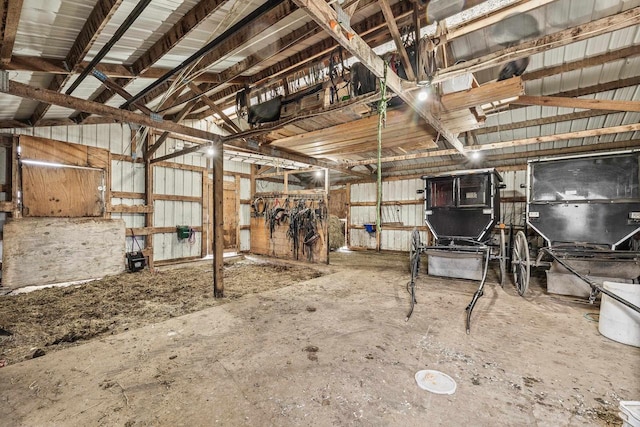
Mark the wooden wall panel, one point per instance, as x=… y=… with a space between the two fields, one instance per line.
x=39 y=251
x=61 y=192
x=279 y=245
x=338 y=203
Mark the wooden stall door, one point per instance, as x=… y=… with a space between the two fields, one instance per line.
x=230 y=212
x=62 y=191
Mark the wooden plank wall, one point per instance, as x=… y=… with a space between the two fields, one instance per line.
x=279 y=245
x=39 y=251
x=338 y=203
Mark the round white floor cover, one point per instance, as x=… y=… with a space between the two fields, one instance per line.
x=435 y=382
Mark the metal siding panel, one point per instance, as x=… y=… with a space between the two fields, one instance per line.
x=245 y=215
x=245 y=188
x=245 y=240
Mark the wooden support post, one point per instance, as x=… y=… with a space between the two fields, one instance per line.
x=148 y=217
x=286 y=182
x=348 y=224
x=206 y=215
x=218 y=221
x=15 y=180
x=238 y=208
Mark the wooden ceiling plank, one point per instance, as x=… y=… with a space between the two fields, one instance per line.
x=483 y=94
x=397 y=37
x=591 y=104
x=10 y=24
x=575 y=34
x=322 y=13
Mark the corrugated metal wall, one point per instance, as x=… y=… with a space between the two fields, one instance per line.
x=412 y=215
x=405 y=215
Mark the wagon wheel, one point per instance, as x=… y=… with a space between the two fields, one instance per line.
x=520 y=263
x=503 y=257
x=414 y=253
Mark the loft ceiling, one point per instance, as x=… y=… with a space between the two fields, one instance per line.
x=177 y=60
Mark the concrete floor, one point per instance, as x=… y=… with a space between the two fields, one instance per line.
x=336 y=350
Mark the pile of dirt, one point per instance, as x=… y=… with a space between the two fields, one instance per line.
x=35 y=323
x=336 y=232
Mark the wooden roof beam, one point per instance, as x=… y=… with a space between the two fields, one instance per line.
x=124 y=116
x=589 y=104
x=322 y=13
x=397 y=38
x=507 y=144
x=12 y=13
x=575 y=34
x=168 y=41
x=195 y=89
x=98 y=18
x=267 y=14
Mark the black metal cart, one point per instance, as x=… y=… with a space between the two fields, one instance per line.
x=461 y=210
x=587 y=210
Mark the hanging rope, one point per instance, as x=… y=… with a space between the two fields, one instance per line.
x=382 y=122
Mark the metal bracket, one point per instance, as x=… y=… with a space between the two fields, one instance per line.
x=4 y=81
x=155 y=117
x=99 y=75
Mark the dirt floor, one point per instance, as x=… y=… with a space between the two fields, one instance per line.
x=33 y=324
x=334 y=350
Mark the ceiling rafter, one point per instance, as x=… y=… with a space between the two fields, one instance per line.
x=225 y=44
x=124 y=116
x=515 y=158
x=162 y=46
x=561 y=38
x=371 y=27
x=11 y=14
x=98 y=18
x=542 y=121
x=397 y=37
x=507 y=144
x=593 y=104
x=323 y=15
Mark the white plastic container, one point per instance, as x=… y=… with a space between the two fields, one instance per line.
x=630 y=413
x=617 y=321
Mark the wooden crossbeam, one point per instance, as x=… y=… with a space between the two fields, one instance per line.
x=12 y=14
x=483 y=94
x=56 y=66
x=168 y=41
x=99 y=17
x=195 y=89
x=44 y=95
x=397 y=38
x=575 y=34
x=507 y=144
x=322 y=13
x=590 y=104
